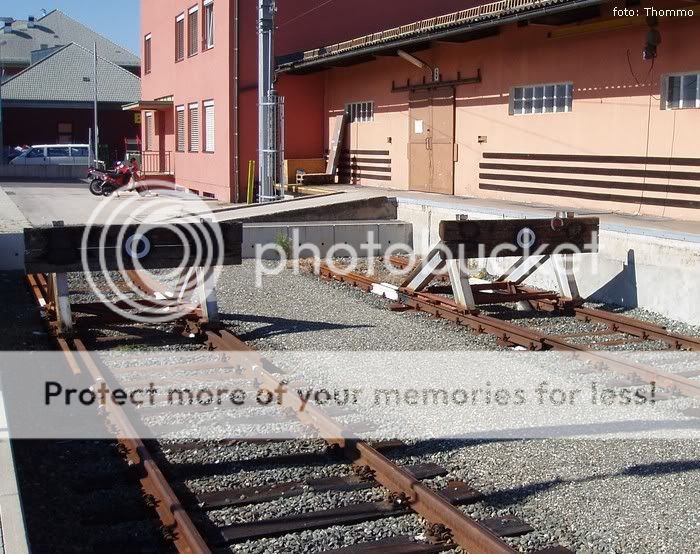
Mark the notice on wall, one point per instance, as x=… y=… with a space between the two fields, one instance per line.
x=418 y=126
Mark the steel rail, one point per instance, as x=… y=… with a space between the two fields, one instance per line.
x=431 y=505
x=435 y=508
x=176 y=522
x=617 y=322
x=519 y=336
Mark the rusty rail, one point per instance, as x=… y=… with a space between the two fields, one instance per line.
x=516 y=335
x=433 y=506
x=185 y=535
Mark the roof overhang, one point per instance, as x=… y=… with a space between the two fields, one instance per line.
x=471 y=24
x=149 y=106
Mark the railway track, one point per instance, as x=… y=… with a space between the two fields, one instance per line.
x=436 y=302
x=182 y=515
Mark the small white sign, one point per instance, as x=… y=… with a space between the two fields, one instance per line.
x=418 y=126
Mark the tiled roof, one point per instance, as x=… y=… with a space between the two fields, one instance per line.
x=67 y=76
x=57 y=29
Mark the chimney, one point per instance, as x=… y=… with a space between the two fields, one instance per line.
x=31 y=21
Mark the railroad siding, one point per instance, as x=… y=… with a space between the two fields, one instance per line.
x=638 y=266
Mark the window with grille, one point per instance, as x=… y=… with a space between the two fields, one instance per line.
x=147 y=54
x=180 y=128
x=360 y=111
x=209 y=126
x=180 y=37
x=194 y=127
x=680 y=91
x=150 y=131
x=193 y=31
x=547 y=98
x=208 y=24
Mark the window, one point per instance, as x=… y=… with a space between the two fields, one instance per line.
x=680 y=91
x=58 y=152
x=208 y=24
x=193 y=31
x=360 y=111
x=180 y=37
x=548 y=98
x=209 y=126
x=36 y=153
x=79 y=152
x=194 y=127
x=180 y=126
x=149 y=131
x=147 y=54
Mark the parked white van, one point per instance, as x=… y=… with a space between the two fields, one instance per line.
x=54 y=154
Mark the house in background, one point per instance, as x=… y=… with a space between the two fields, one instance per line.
x=28 y=41
x=51 y=101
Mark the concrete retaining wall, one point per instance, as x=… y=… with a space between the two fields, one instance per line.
x=326 y=234
x=43 y=172
x=632 y=269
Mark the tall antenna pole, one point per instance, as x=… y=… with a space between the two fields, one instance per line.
x=267 y=127
x=96 y=133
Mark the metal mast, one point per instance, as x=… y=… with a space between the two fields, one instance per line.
x=270 y=107
x=97 y=130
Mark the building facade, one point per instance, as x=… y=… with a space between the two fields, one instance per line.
x=200 y=61
x=537 y=101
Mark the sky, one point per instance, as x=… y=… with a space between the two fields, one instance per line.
x=118 y=20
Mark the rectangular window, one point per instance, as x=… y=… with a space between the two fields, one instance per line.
x=147 y=54
x=547 y=98
x=58 y=152
x=360 y=112
x=194 y=127
x=208 y=24
x=193 y=31
x=149 y=131
x=680 y=91
x=180 y=37
x=79 y=152
x=180 y=127
x=209 y=126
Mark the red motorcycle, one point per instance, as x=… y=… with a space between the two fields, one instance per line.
x=104 y=183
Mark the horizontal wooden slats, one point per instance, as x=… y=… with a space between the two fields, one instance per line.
x=589 y=183
x=358 y=166
x=607 y=178
x=618 y=172
x=645 y=200
x=649 y=160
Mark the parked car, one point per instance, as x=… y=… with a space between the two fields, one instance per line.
x=54 y=154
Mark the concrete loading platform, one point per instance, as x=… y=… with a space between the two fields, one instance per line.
x=644 y=262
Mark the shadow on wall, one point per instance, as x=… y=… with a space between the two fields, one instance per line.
x=621 y=289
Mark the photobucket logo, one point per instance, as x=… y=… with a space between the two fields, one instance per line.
x=399 y=259
x=146 y=258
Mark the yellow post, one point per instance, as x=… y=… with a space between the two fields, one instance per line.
x=251 y=180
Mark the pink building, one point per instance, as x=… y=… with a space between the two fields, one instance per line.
x=199 y=82
x=543 y=101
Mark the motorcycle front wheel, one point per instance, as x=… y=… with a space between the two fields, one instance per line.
x=96 y=187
